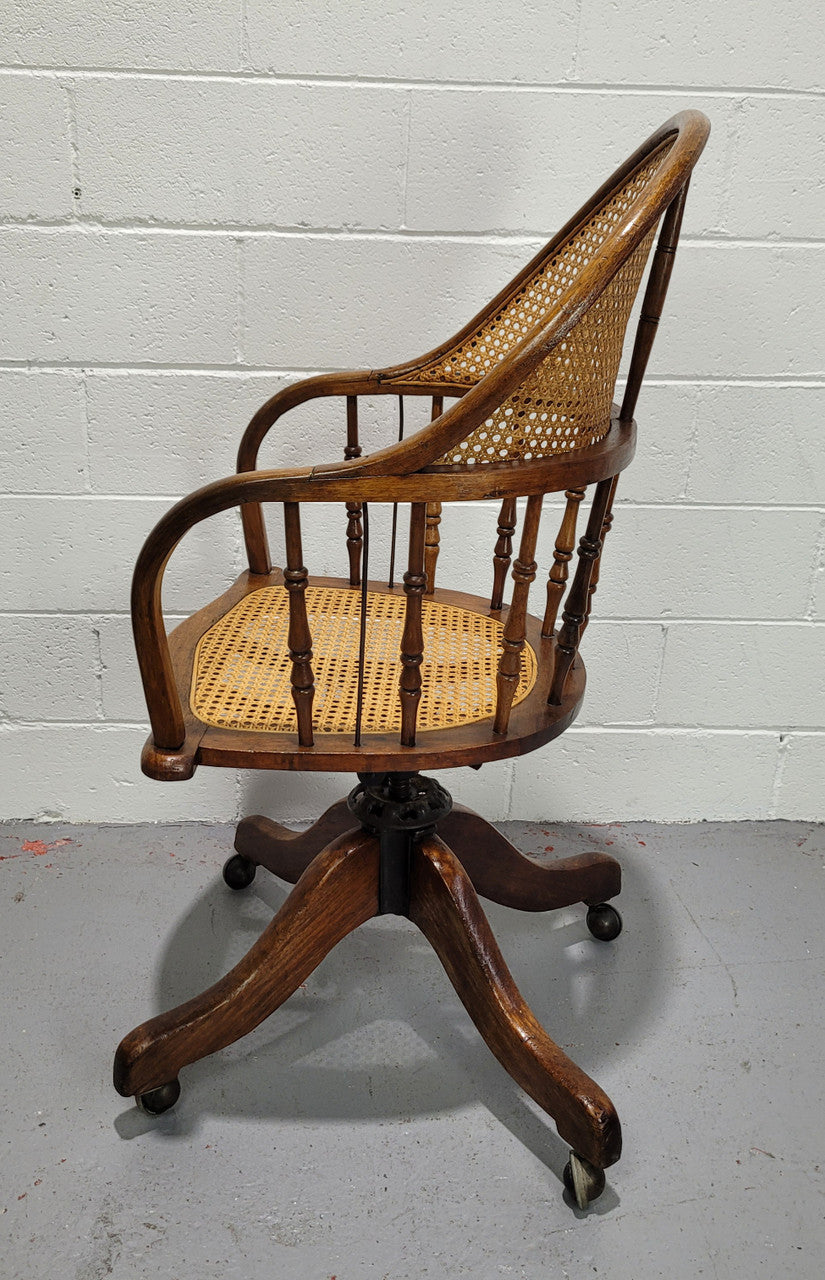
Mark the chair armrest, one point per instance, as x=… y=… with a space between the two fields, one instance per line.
x=292 y=485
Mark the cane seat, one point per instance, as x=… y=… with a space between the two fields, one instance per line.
x=242 y=675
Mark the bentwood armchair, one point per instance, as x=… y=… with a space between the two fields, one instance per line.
x=286 y=671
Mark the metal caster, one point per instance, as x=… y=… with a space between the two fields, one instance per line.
x=239 y=872
x=156 y=1101
x=604 y=922
x=583 y=1180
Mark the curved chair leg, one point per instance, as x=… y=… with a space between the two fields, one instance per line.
x=444 y=905
x=288 y=853
x=500 y=872
x=338 y=892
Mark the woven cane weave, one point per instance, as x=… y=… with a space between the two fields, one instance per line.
x=564 y=404
x=242 y=671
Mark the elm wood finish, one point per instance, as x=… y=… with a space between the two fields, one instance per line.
x=562 y=555
x=288 y=853
x=654 y=299
x=337 y=868
x=446 y=909
x=497 y=870
x=532 y=721
x=300 y=640
x=607 y=524
x=355 y=529
x=336 y=893
x=412 y=640
x=545 y=475
x=515 y=628
x=574 y=617
x=431 y=536
x=503 y=550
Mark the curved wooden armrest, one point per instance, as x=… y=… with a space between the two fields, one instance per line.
x=162 y=700
x=355 y=383
x=293 y=485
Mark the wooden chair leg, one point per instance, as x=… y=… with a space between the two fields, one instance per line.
x=500 y=872
x=446 y=909
x=337 y=892
x=288 y=853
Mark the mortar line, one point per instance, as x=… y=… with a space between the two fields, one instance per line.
x=626 y=504
x=32 y=365
x=584 y=88
x=243 y=43
x=405 y=175
x=779 y=772
x=621 y=727
x=693 y=443
x=574 y=61
x=74 y=153
x=494 y=237
x=99 y=669
x=87 y=451
x=178 y=615
x=240 y=299
x=818 y=566
x=659 y=675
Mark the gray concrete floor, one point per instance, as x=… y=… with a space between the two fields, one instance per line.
x=365 y=1131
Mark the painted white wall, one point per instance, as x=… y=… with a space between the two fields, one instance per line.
x=200 y=203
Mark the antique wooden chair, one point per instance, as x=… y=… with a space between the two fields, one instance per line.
x=284 y=672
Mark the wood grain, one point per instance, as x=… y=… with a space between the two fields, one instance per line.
x=337 y=892
x=446 y=909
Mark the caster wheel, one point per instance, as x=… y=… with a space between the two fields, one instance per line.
x=604 y=922
x=156 y=1101
x=583 y=1180
x=239 y=872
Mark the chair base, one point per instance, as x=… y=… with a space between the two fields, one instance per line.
x=400 y=859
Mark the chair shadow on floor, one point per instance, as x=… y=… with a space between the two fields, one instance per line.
x=377 y=1031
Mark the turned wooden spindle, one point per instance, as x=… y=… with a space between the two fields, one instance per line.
x=431 y=534
x=597 y=564
x=513 y=637
x=355 y=531
x=654 y=299
x=575 y=609
x=412 y=640
x=431 y=544
x=562 y=555
x=299 y=639
x=503 y=550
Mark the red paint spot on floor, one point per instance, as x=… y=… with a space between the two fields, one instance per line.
x=642 y=843
x=7 y=857
x=39 y=847
x=548 y=848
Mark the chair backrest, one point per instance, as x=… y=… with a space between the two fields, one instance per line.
x=564 y=403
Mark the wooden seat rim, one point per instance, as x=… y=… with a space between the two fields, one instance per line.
x=532 y=721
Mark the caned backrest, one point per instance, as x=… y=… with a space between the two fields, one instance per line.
x=564 y=403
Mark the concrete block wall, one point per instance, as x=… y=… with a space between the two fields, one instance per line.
x=201 y=203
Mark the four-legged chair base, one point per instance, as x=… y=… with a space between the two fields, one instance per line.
x=410 y=855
